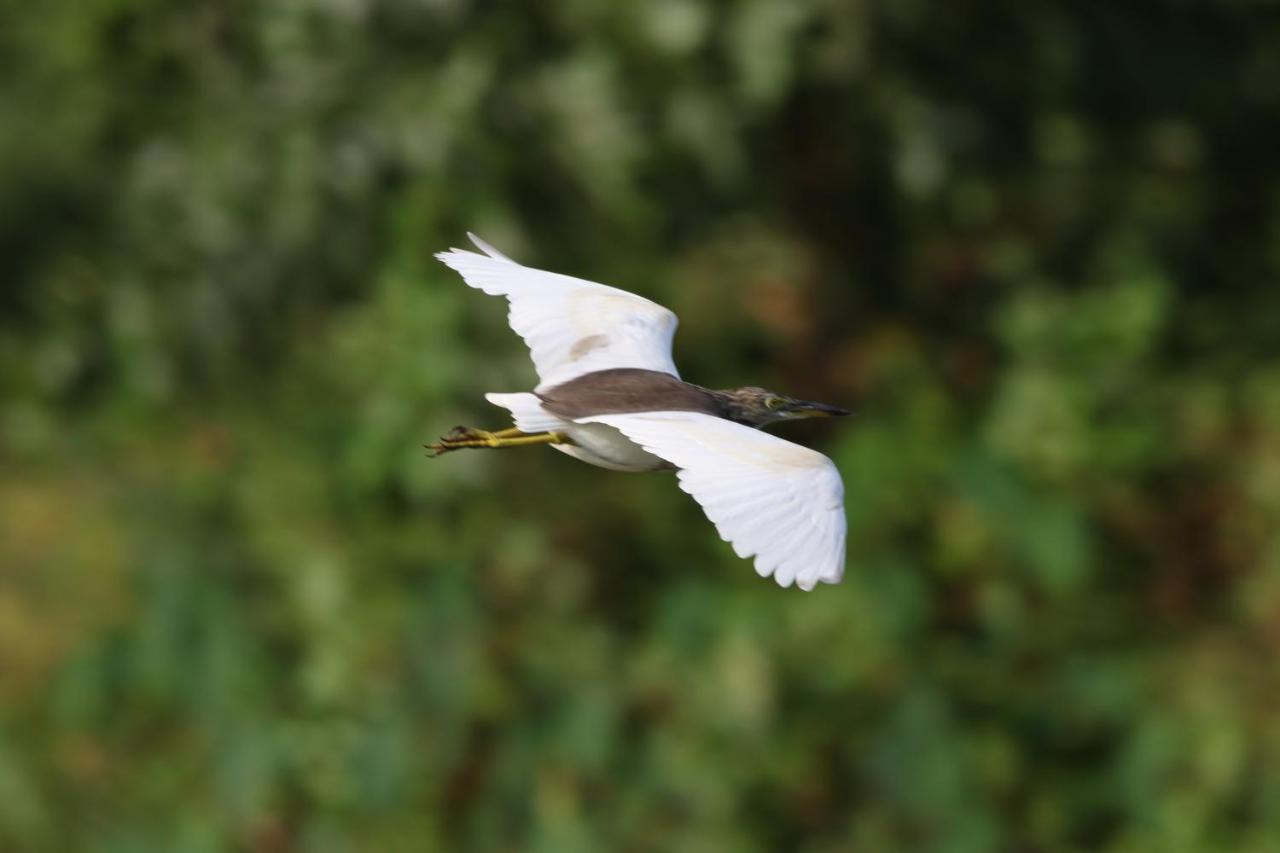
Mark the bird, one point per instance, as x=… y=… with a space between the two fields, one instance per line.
x=609 y=394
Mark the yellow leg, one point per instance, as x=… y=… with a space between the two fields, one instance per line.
x=463 y=437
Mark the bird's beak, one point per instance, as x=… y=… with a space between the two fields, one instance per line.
x=806 y=409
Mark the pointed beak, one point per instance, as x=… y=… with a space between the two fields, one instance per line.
x=805 y=409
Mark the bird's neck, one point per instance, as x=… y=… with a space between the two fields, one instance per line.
x=730 y=407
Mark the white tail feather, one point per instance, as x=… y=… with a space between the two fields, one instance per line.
x=527 y=412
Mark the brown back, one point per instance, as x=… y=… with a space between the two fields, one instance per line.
x=627 y=389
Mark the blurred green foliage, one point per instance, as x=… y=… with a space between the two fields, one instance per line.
x=1036 y=245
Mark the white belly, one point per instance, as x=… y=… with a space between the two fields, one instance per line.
x=605 y=447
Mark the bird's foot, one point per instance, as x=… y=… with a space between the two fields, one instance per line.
x=459 y=437
x=464 y=433
x=462 y=437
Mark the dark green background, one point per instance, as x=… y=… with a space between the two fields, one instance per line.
x=1036 y=245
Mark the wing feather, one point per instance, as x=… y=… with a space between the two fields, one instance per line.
x=571 y=326
x=769 y=498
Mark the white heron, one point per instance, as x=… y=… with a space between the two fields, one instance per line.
x=609 y=394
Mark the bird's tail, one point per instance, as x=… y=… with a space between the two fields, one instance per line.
x=527 y=412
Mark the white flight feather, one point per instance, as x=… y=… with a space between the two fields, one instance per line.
x=571 y=326
x=767 y=497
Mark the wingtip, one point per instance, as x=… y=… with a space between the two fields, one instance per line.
x=484 y=246
x=810 y=583
x=454 y=255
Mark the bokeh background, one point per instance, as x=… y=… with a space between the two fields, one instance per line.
x=1036 y=246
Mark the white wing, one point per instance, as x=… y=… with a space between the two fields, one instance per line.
x=768 y=497
x=572 y=326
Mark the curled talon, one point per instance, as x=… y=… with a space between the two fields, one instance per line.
x=439 y=448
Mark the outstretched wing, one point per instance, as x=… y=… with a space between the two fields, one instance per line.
x=572 y=326
x=779 y=501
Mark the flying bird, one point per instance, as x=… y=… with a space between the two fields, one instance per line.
x=609 y=394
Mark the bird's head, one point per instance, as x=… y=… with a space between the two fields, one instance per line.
x=758 y=407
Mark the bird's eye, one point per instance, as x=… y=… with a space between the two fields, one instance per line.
x=775 y=403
